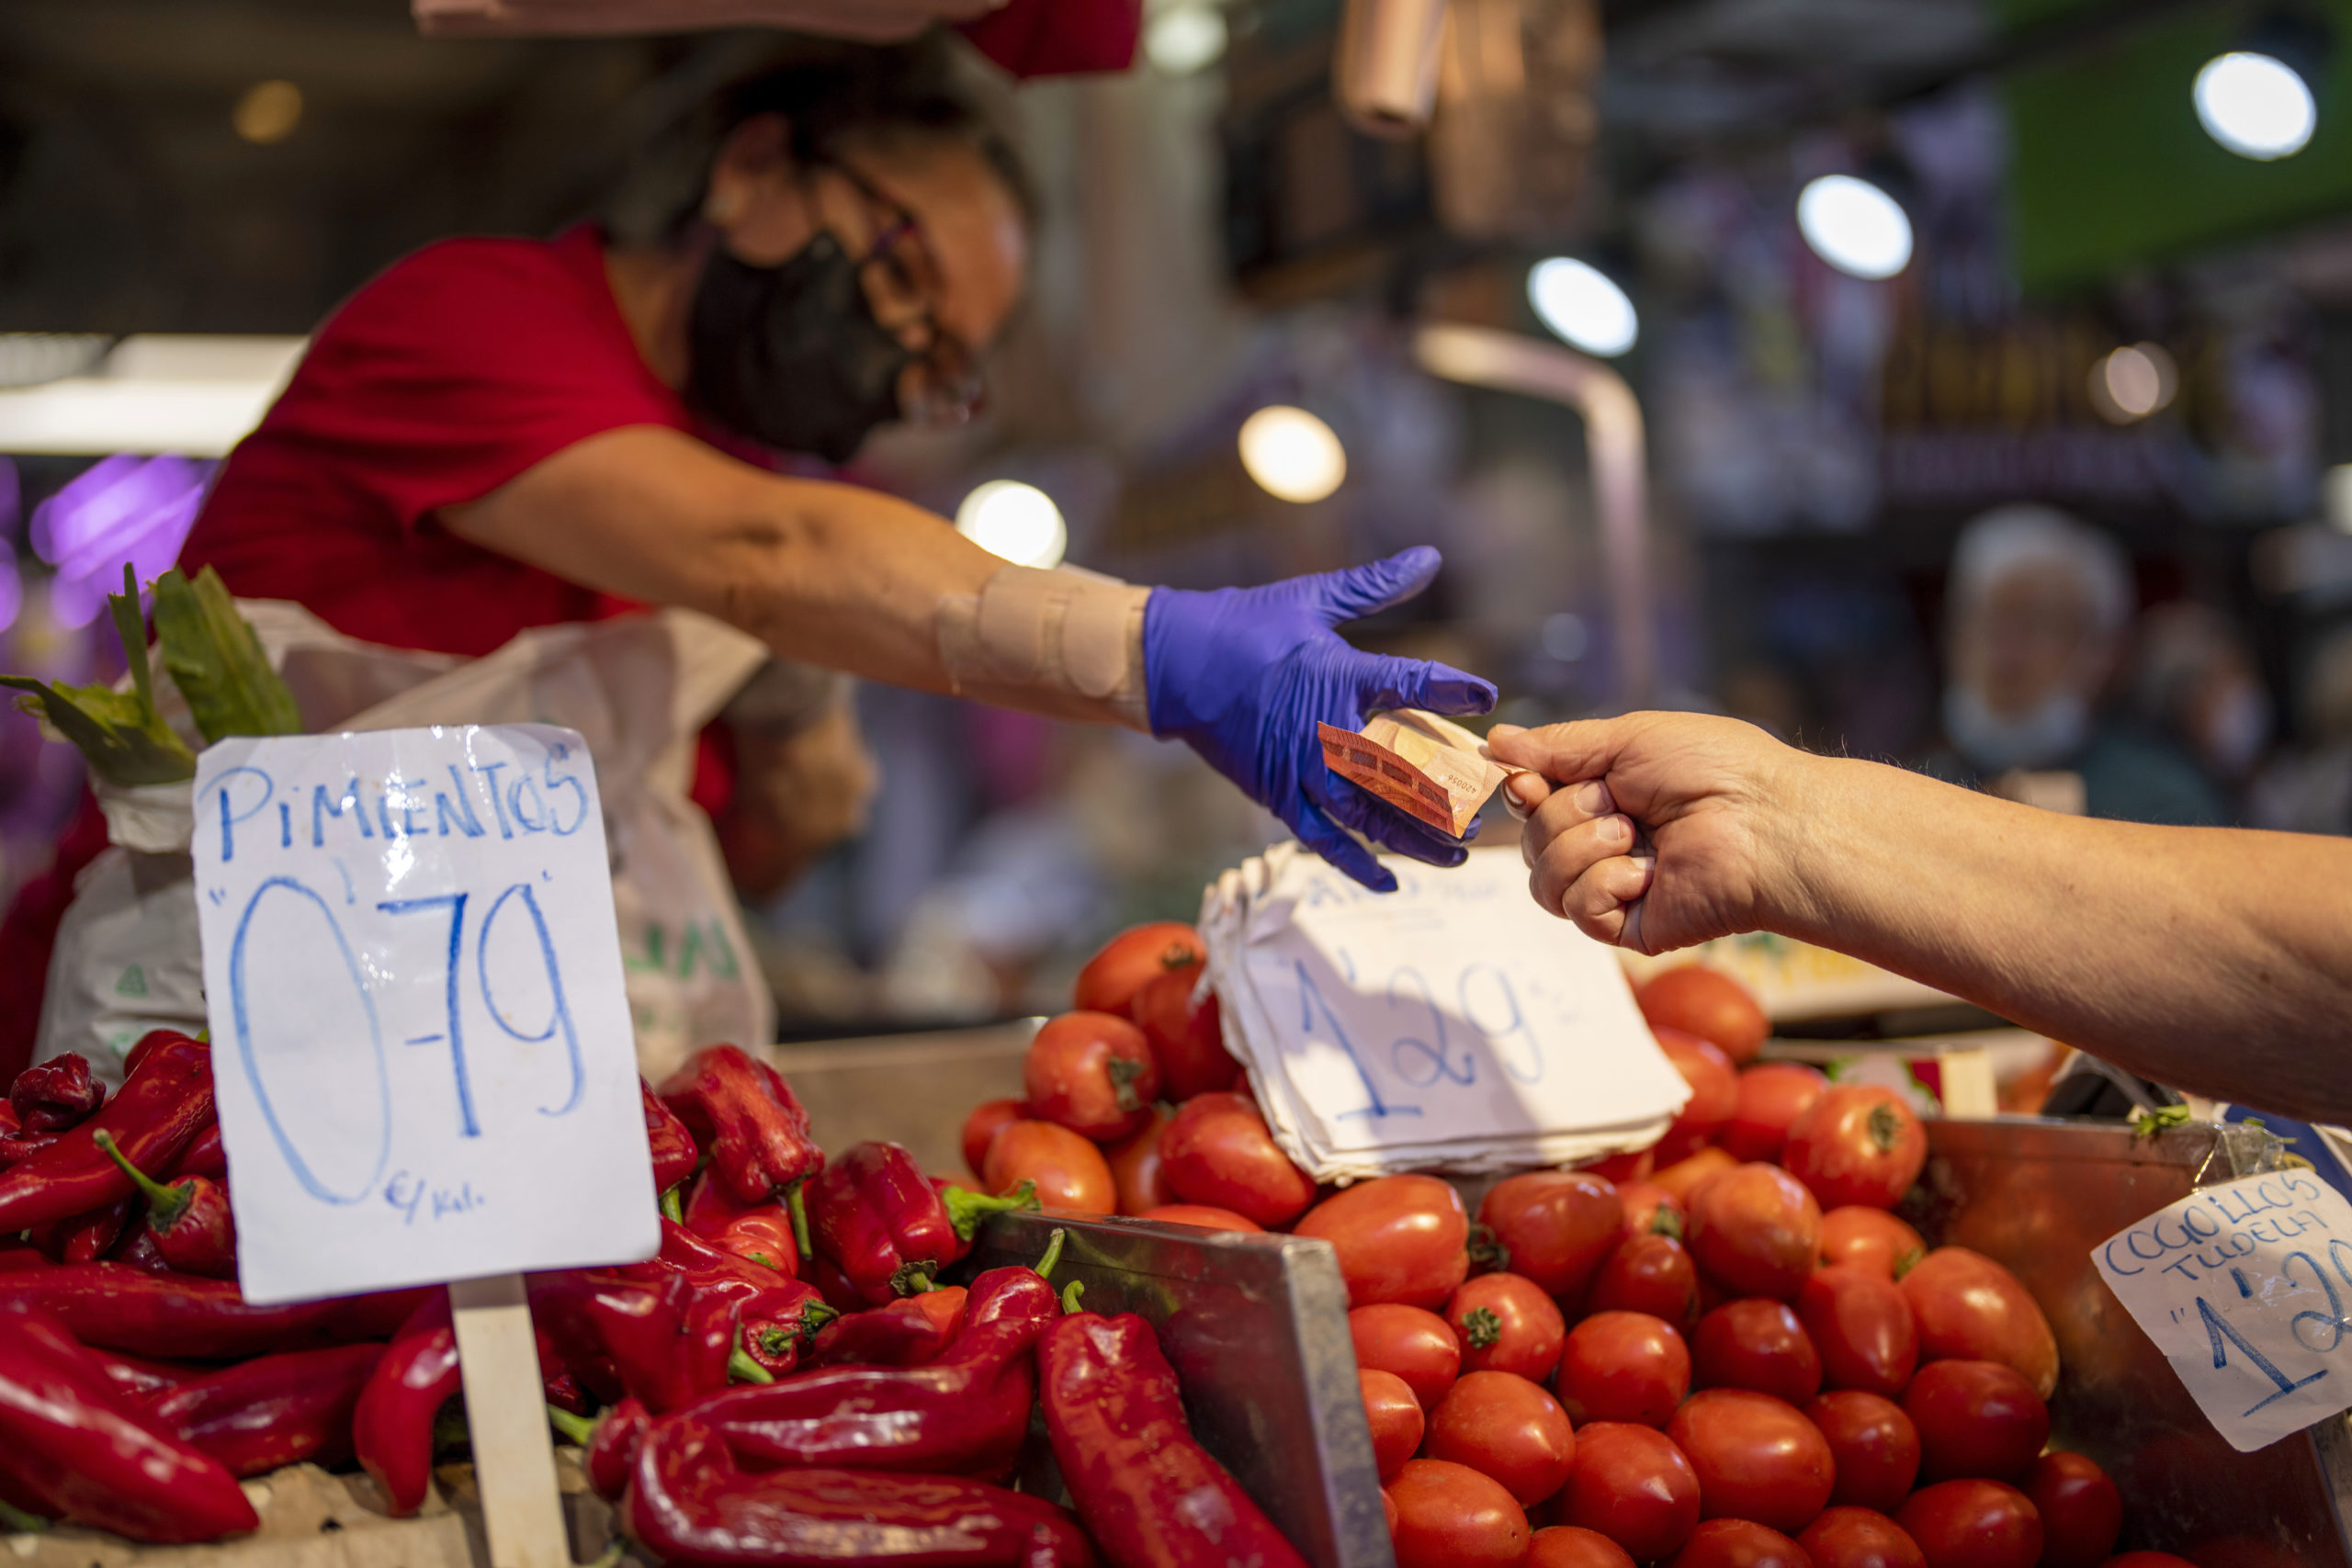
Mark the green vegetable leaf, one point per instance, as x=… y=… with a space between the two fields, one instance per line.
x=217 y=660
x=124 y=739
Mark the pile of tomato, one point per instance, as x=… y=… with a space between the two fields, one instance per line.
x=1724 y=1351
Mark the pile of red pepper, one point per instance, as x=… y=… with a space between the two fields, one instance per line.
x=786 y=1382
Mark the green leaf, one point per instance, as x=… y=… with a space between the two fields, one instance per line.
x=217 y=660
x=121 y=733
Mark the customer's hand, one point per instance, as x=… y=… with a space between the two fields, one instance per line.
x=1714 y=797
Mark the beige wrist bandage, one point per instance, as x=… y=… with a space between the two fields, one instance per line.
x=1066 y=643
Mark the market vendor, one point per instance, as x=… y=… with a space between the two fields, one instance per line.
x=2214 y=959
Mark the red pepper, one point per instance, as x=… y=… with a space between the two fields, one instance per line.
x=190 y=1219
x=911 y=1332
x=965 y=1414
x=164 y=1104
x=674 y=1153
x=611 y=1450
x=142 y=1381
x=875 y=1215
x=780 y=1316
x=392 y=1422
x=666 y=1344
x=17 y=1147
x=9 y=1122
x=1151 y=1494
x=122 y=1308
x=84 y=1238
x=73 y=1446
x=206 y=1154
x=137 y=1250
x=760 y=1232
x=742 y=1111
x=688 y=1502
x=17 y=1253
x=58 y=1094
x=273 y=1410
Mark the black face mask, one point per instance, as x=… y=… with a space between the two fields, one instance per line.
x=792 y=356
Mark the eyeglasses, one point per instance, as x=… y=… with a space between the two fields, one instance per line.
x=904 y=281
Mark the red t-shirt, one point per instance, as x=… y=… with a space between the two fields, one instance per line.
x=449 y=374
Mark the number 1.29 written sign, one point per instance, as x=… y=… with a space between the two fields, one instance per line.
x=2247 y=1288
x=421 y=1049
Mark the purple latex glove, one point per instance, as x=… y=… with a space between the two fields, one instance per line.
x=1242 y=675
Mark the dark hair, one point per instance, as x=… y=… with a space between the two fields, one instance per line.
x=827 y=92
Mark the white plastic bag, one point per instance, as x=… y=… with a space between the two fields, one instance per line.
x=638 y=688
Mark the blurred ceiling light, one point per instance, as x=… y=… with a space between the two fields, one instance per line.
x=28 y=359
x=267 y=112
x=1580 y=303
x=2256 y=106
x=1293 y=454
x=1185 y=37
x=1854 y=226
x=157 y=392
x=1015 y=520
x=2133 y=383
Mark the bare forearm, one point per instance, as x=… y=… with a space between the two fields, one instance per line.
x=2217 y=960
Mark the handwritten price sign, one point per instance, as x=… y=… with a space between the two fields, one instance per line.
x=2245 y=1289
x=421 y=1047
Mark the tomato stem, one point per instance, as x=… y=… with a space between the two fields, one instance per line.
x=1487 y=1249
x=1481 y=1327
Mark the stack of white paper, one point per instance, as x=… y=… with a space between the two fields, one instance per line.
x=1451 y=1025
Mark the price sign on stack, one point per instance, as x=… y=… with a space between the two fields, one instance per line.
x=2247 y=1288
x=1449 y=1025
x=422 y=1048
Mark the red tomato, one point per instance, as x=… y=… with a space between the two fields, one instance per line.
x=1203 y=1215
x=1870 y=1238
x=1414 y=1344
x=1400 y=1238
x=1092 y=1073
x=1449 y=1515
x=2082 y=1512
x=1862 y=1327
x=1633 y=1167
x=1859 y=1537
x=1396 y=1418
x=1714 y=1093
x=1632 y=1484
x=1186 y=1030
x=1685 y=1177
x=1771 y=1096
x=1755 y=1344
x=1975 y=1418
x=1070 y=1172
x=1758 y=1457
x=1556 y=1225
x=1216 y=1150
x=1651 y=1274
x=1650 y=1209
x=1624 y=1366
x=1135 y=1166
x=1707 y=1003
x=1502 y=1424
x=1756 y=1230
x=1971 y=1309
x=1973 y=1524
x=1506 y=1323
x=1858 y=1143
x=1113 y=976
x=1566 y=1546
x=982 y=1123
x=1388 y=1512
x=1739 y=1543
x=1875 y=1445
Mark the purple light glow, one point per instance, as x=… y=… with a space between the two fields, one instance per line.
x=123 y=508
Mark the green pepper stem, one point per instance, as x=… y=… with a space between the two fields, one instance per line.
x=673 y=1208
x=17 y=1522
x=165 y=1204
x=1070 y=1293
x=741 y=1368
x=1052 y=1255
x=964 y=1207
x=914 y=1277
x=574 y=1429
x=798 y=1207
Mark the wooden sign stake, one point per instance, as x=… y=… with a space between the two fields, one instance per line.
x=506 y=1408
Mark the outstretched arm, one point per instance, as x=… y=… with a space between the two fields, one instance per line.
x=2214 y=959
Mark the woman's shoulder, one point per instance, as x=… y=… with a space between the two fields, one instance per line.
x=484 y=277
